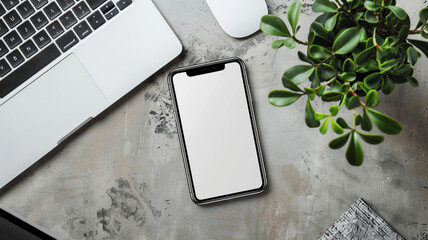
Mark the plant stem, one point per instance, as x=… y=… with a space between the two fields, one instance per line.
x=414 y=32
x=300 y=41
x=354 y=113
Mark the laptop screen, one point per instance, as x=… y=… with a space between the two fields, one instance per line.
x=13 y=228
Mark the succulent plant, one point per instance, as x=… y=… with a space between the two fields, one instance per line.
x=355 y=50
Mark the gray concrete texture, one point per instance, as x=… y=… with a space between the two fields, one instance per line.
x=122 y=176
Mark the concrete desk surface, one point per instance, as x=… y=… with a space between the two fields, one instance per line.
x=122 y=176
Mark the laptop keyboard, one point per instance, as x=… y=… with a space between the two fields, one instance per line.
x=33 y=33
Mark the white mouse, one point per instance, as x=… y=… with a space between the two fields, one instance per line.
x=238 y=18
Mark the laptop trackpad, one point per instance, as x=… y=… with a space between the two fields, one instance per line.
x=48 y=109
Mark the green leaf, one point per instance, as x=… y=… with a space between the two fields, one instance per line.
x=370 y=17
x=385 y=123
x=358 y=120
x=349 y=65
x=412 y=56
x=348 y=76
x=371 y=99
x=423 y=16
x=371 y=6
x=290 y=43
x=311 y=93
x=363 y=35
x=363 y=87
x=282 y=98
x=366 y=124
x=388 y=65
x=336 y=127
x=335 y=86
x=334 y=109
x=327 y=72
x=319 y=52
x=324 y=6
x=320 y=116
x=324 y=126
x=423 y=46
x=355 y=3
x=363 y=58
x=398 y=12
x=404 y=33
x=331 y=22
x=305 y=58
x=339 y=142
x=288 y=84
x=371 y=139
x=353 y=102
x=321 y=90
x=332 y=96
x=346 y=41
x=342 y=123
x=354 y=153
x=388 y=86
x=373 y=80
x=345 y=88
x=412 y=81
x=278 y=43
x=310 y=116
x=274 y=25
x=298 y=74
x=293 y=14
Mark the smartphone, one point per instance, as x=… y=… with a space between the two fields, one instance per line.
x=217 y=131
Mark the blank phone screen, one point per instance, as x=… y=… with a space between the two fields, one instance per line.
x=217 y=130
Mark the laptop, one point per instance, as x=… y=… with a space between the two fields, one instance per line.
x=62 y=62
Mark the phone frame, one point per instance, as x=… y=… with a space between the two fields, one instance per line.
x=202 y=68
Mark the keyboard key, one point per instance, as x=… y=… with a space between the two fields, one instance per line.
x=9 y=3
x=65 y=4
x=2 y=10
x=82 y=29
x=12 y=39
x=41 y=39
x=67 y=41
x=15 y=58
x=107 y=7
x=28 y=69
x=68 y=19
x=52 y=10
x=95 y=3
x=3 y=48
x=3 y=28
x=25 y=9
x=12 y=19
x=122 y=4
x=39 y=20
x=4 y=68
x=26 y=29
x=81 y=10
x=28 y=48
x=96 y=20
x=39 y=3
x=55 y=29
x=112 y=13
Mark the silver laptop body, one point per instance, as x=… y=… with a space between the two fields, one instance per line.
x=93 y=70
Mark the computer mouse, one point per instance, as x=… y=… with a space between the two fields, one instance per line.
x=238 y=18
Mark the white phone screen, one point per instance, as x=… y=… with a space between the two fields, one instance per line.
x=217 y=131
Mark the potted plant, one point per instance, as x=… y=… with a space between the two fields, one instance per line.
x=355 y=49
